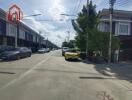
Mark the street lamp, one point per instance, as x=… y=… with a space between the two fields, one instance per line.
x=48 y=20
x=69 y=15
x=33 y=15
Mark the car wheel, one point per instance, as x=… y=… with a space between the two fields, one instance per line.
x=29 y=54
x=66 y=59
x=18 y=57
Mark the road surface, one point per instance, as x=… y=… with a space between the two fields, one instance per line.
x=50 y=77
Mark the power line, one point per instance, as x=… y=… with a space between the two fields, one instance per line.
x=76 y=2
x=119 y=3
x=122 y=3
x=79 y=4
x=105 y=2
x=75 y=9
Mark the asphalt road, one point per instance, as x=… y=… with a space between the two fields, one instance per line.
x=50 y=77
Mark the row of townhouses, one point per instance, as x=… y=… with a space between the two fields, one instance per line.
x=122 y=28
x=26 y=36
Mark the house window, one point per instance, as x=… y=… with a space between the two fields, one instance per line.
x=21 y=34
x=11 y=30
x=104 y=26
x=124 y=29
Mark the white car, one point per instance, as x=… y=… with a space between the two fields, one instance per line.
x=64 y=49
x=42 y=50
x=47 y=50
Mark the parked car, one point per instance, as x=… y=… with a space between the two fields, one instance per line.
x=34 y=49
x=47 y=50
x=5 y=48
x=16 y=53
x=64 y=49
x=42 y=50
x=72 y=54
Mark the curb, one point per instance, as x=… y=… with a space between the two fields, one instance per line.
x=104 y=72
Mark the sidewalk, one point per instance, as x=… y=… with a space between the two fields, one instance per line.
x=121 y=70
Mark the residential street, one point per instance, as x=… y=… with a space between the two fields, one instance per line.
x=49 y=77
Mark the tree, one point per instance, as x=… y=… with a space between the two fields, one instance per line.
x=65 y=44
x=70 y=44
x=85 y=24
x=97 y=40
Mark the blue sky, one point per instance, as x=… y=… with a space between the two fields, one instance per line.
x=54 y=29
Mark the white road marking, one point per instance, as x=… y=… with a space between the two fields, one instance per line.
x=25 y=74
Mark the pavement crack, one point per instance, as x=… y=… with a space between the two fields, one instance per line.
x=2 y=72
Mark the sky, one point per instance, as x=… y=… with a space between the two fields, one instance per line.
x=51 y=24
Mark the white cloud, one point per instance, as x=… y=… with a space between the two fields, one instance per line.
x=56 y=9
x=97 y=2
x=50 y=10
x=58 y=37
x=37 y=12
x=45 y=28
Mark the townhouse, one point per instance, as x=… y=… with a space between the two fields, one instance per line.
x=25 y=35
x=122 y=28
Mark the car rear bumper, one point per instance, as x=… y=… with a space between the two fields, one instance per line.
x=4 y=58
x=71 y=57
x=8 y=58
x=41 y=52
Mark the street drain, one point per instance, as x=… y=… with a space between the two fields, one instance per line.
x=1 y=72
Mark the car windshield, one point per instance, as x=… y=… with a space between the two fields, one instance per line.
x=42 y=49
x=16 y=49
x=73 y=50
x=65 y=49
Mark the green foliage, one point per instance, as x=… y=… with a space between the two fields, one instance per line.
x=97 y=40
x=87 y=20
x=86 y=24
x=70 y=44
x=65 y=44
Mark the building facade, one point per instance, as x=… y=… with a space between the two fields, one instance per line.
x=26 y=37
x=122 y=28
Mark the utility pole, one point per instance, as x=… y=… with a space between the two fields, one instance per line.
x=87 y=32
x=111 y=2
x=40 y=39
x=17 y=29
x=46 y=42
x=68 y=37
x=16 y=35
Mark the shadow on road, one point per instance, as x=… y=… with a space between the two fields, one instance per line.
x=121 y=70
x=66 y=71
x=96 y=78
x=2 y=72
x=74 y=60
x=49 y=70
